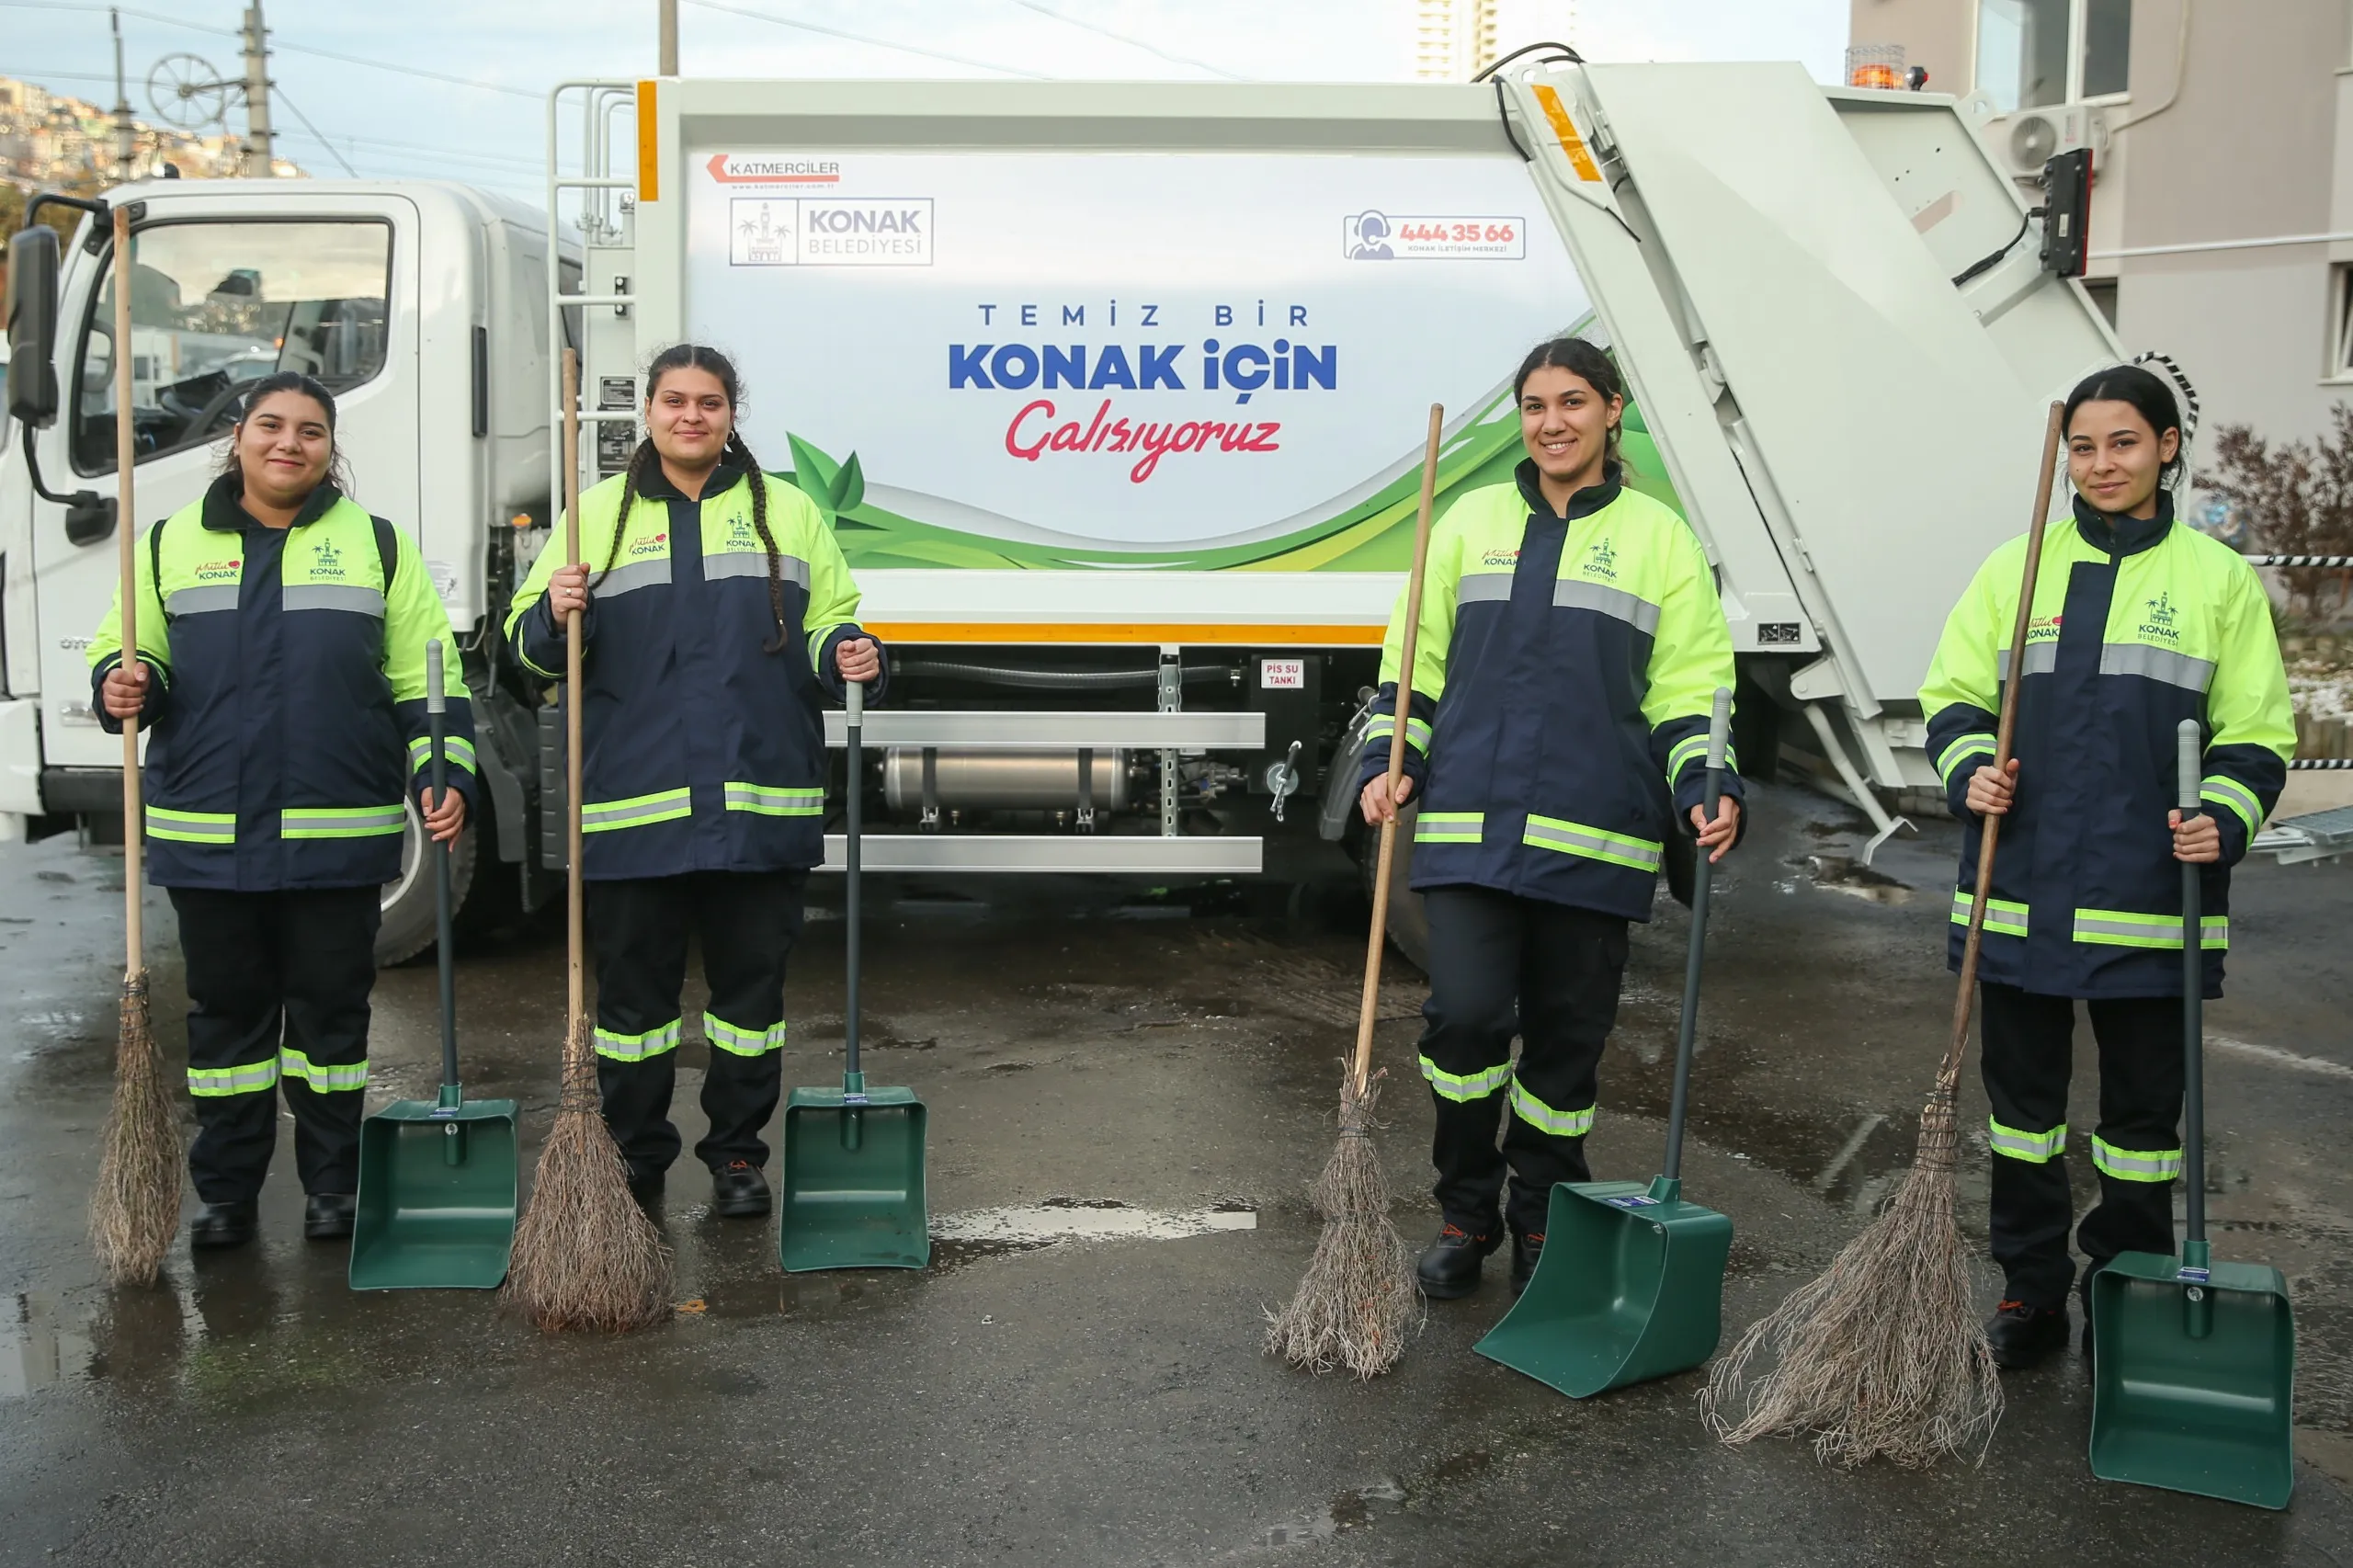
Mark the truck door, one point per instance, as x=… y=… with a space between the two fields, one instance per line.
x=222 y=295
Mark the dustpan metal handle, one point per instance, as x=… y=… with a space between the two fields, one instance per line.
x=854 y=696
x=2190 y=762
x=437 y=709
x=1686 y=1027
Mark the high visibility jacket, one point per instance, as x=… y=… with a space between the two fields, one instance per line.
x=1562 y=681
x=2137 y=625
x=286 y=703
x=702 y=753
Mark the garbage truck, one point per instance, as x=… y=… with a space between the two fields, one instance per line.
x=1114 y=394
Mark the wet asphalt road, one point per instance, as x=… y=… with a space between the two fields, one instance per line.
x=1104 y=1401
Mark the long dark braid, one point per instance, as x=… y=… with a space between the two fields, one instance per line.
x=638 y=462
x=759 y=479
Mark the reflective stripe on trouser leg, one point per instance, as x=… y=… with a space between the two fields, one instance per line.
x=615 y=1046
x=724 y=1036
x=1547 y=1118
x=2136 y=1165
x=2035 y=1148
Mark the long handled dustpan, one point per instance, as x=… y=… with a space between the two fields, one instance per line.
x=437 y=1179
x=2194 y=1365
x=1630 y=1283
x=853 y=1156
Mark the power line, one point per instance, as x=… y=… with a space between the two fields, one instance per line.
x=276 y=42
x=143 y=16
x=519 y=165
x=348 y=171
x=863 y=38
x=1144 y=44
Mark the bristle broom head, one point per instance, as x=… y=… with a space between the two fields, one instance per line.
x=1883 y=1355
x=587 y=1257
x=1357 y=1300
x=135 y=1208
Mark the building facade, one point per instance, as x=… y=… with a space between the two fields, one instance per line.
x=2221 y=138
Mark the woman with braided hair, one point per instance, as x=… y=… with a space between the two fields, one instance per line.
x=717 y=612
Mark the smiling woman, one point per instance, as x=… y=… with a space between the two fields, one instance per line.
x=1566 y=664
x=2138 y=625
x=280 y=670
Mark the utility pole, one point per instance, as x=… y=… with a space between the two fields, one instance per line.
x=126 y=140
x=259 y=150
x=669 y=38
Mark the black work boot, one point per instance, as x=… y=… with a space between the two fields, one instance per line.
x=738 y=1190
x=646 y=1187
x=224 y=1224
x=1526 y=1251
x=2022 y=1335
x=327 y=1216
x=1450 y=1266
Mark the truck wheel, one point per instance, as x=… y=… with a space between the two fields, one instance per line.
x=409 y=920
x=1409 y=920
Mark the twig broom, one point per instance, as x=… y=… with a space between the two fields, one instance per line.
x=1884 y=1356
x=1353 y=1305
x=585 y=1255
x=135 y=1206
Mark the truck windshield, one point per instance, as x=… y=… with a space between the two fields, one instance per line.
x=216 y=305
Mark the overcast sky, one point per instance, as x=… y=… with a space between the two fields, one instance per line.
x=389 y=122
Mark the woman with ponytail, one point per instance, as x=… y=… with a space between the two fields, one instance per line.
x=717 y=611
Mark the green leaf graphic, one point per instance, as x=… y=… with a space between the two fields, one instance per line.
x=849 y=485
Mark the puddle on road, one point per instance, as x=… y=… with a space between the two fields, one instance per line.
x=1844 y=874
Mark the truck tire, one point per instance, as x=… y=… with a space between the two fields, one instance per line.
x=1409 y=921
x=409 y=919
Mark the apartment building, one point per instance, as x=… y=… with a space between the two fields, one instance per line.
x=2221 y=133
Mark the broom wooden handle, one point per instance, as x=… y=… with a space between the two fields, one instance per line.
x=1378 y=939
x=126 y=452
x=575 y=923
x=2003 y=733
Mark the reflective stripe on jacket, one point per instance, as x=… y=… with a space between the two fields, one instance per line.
x=286 y=703
x=703 y=752
x=1564 y=675
x=2135 y=627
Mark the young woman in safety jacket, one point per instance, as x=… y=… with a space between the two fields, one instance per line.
x=718 y=613
x=2138 y=624
x=1570 y=649
x=280 y=679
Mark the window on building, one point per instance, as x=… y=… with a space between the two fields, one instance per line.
x=2340 y=290
x=2035 y=52
x=2103 y=296
x=214 y=306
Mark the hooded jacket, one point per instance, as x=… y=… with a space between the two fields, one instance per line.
x=2138 y=624
x=286 y=699
x=703 y=751
x=1564 y=673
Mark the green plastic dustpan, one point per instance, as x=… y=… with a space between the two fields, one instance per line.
x=852 y=1195
x=1629 y=1286
x=2194 y=1364
x=436 y=1208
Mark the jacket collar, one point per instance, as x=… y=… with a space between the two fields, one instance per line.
x=225 y=504
x=656 y=485
x=2123 y=536
x=1584 y=504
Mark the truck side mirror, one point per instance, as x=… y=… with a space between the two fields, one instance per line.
x=32 y=325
